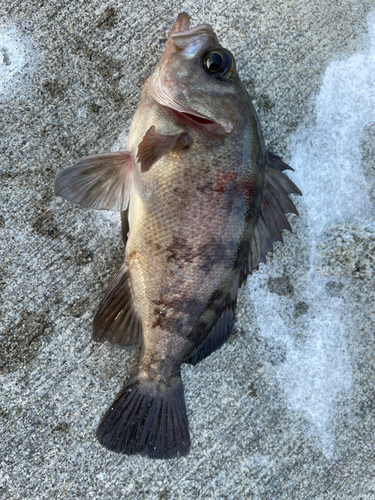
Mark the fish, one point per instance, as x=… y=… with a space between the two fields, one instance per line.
x=202 y=201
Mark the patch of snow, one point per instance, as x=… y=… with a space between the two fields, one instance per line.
x=316 y=372
x=14 y=57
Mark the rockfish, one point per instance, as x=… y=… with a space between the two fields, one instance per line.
x=201 y=202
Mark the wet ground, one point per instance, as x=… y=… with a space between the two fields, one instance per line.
x=286 y=408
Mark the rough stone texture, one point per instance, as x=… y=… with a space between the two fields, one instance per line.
x=72 y=76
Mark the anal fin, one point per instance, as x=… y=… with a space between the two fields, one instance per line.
x=215 y=337
x=116 y=319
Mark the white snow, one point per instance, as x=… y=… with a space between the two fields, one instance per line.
x=316 y=374
x=14 y=58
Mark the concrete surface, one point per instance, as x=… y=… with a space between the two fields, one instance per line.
x=286 y=409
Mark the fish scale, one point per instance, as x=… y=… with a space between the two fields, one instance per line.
x=214 y=219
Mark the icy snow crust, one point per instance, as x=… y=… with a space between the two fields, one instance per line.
x=13 y=58
x=326 y=156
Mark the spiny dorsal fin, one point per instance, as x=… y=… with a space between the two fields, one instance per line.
x=101 y=181
x=116 y=319
x=274 y=206
x=154 y=146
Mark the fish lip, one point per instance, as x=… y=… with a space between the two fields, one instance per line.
x=182 y=35
x=183 y=26
x=200 y=121
x=200 y=29
x=184 y=22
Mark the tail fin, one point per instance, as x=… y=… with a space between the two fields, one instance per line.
x=148 y=418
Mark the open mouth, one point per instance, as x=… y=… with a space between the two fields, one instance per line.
x=204 y=124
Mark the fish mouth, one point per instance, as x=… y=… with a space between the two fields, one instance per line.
x=182 y=26
x=201 y=122
x=183 y=113
x=182 y=23
x=183 y=35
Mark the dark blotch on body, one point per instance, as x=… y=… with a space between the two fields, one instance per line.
x=21 y=342
x=159 y=317
x=281 y=286
x=179 y=252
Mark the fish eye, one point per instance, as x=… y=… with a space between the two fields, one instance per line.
x=218 y=63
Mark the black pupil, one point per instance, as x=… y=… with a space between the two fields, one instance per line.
x=214 y=62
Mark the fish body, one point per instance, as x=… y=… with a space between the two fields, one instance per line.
x=201 y=202
x=186 y=221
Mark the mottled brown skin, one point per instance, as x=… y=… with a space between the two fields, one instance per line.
x=201 y=204
x=193 y=211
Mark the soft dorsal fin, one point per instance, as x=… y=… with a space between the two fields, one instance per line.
x=215 y=324
x=274 y=206
x=154 y=146
x=101 y=181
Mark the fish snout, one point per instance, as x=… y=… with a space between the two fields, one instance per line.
x=181 y=24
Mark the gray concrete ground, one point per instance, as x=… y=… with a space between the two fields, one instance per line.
x=274 y=414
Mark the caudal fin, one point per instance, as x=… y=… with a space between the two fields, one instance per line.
x=148 y=418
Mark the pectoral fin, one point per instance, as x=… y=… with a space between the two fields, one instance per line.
x=101 y=181
x=154 y=146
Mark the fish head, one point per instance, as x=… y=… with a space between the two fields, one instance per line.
x=197 y=80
